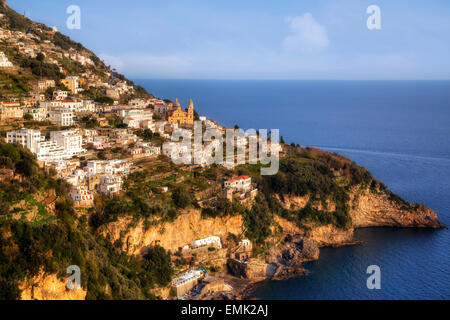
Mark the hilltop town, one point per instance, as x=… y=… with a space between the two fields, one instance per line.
x=87 y=161
x=94 y=131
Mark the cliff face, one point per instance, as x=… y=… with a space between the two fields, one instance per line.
x=370 y=209
x=375 y=209
x=49 y=287
x=325 y=236
x=186 y=228
x=367 y=209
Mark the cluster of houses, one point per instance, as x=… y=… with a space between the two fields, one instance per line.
x=68 y=109
x=96 y=176
x=30 y=44
x=61 y=151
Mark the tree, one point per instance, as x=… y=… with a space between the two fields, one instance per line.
x=101 y=155
x=40 y=57
x=157 y=265
x=10 y=151
x=181 y=198
x=147 y=134
x=28 y=117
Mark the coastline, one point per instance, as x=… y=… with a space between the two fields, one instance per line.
x=243 y=289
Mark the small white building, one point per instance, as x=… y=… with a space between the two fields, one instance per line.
x=110 y=184
x=81 y=194
x=72 y=105
x=4 y=61
x=60 y=94
x=61 y=117
x=209 y=241
x=88 y=106
x=241 y=183
x=245 y=243
x=38 y=113
x=109 y=167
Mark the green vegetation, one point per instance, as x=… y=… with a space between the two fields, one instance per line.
x=14 y=84
x=37 y=67
x=321 y=176
x=258 y=221
x=97 y=95
x=90 y=122
x=52 y=242
x=181 y=198
x=53 y=247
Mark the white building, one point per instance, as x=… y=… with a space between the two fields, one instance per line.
x=242 y=183
x=149 y=148
x=77 y=178
x=110 y=184
x=28 y=138
x=50 y=105
x=209 y=241
x=4 y=62
x=61 y=117
x=160 y=126
x=137 y=118
x=88 y=106
x=176 y=150
x=109 y=167
x=72 y=105
x=38 y=113
x=69 y=140
x=50 y=151
x=44 y=150
x=81 y=194
x=89 y=135
x=60 y=95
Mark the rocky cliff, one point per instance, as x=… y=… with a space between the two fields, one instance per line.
x=373 y=209
x=188 y=227
x=293 y=246
x=49 y=287
x=370 y=208
x=367 y=209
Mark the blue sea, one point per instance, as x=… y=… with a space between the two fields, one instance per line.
x=399 y=130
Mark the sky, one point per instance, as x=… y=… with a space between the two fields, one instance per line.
x=259 y=39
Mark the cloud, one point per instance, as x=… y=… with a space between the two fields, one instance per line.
x=142 y=64
x=307 y=34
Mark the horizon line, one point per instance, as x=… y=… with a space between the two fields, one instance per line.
x=250 y=79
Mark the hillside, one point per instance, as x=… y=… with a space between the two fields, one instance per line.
x=39 y=52
x=130 y=244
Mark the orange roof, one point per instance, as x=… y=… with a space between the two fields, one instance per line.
x=239 y=178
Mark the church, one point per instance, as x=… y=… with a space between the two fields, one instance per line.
x=176 y=115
